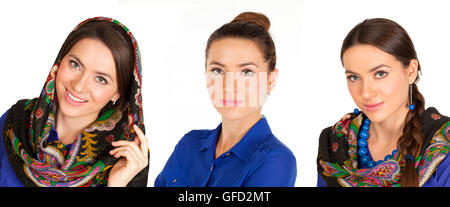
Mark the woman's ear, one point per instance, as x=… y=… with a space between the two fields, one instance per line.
x=115 y=98
x=413 y=70
x=271 y=80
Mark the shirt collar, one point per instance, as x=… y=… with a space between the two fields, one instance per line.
x=245 y=148
x=53 y=136
x=210 y=140
x=247 y=145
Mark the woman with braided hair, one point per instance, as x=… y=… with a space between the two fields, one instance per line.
x=391 y=140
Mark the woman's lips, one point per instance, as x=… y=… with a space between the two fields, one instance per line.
x=231 y=102
x=73 y=99
x=373 y=107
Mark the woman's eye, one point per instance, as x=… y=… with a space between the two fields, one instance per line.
x=380 y=74
x=101 y=80
x=217 y=71
x=74 y=64
x=352 y=78
x=248 y=72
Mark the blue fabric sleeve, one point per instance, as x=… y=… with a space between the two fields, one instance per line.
x=279 y=169
x=320 y=181
x=161 y=180
x=441 y=177
x=8 y=177
x=443 y=171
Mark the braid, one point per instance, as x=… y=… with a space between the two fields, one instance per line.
x=412 y=138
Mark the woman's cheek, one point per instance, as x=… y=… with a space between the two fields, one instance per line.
x=63 y=74
x=395 y=89
x=211 y=88
x=252 y=90
x=216 y=91
x=62 y=77
x=100 y=96
x=355 y=93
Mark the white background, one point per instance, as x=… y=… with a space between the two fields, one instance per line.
x=311 y=91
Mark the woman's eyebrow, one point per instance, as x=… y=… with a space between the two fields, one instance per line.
x=240 y=65
x=105 y=74
x=371 y=70
x=249 y=63
x=216 y=63
x=349 y=71
x=77 y=59
x=379 y=66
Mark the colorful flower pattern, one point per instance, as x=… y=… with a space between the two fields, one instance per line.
x=388 y=172
x=87 y=162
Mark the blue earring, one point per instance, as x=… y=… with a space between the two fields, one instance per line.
x=411 y=105
x=356 y=111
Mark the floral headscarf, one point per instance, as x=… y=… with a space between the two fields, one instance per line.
x=39 y=161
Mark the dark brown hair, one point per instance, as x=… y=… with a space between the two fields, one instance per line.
x=118 y=42
x=250 y=26
x=390 y=37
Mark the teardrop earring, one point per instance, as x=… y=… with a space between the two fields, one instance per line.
x=411 y=105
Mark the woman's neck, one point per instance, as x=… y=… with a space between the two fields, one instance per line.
x=233 y=131
x=69 y=128
x=384 y=135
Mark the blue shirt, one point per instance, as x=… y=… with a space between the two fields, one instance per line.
x=8 y=177
x=258 y=159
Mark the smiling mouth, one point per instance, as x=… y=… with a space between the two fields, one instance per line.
x=72 y=98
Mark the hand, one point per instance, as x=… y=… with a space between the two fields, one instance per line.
x=134 y=158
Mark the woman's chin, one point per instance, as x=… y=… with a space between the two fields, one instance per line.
x=69 y=111
x=73 y=111
x=235 y=113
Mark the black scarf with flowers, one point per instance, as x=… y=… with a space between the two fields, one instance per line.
x=337 y=161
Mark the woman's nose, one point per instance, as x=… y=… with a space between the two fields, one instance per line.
x=368 y=89
x=79 y=83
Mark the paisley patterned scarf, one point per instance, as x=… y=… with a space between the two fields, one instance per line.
x=39 y=161
x=337 y=161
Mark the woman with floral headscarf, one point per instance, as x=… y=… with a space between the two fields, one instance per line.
x=86 y=127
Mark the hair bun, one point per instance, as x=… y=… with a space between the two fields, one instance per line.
x=254 y=18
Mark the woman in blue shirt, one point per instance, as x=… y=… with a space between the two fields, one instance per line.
x=393 y=140
x=85 y=127
x=241 y=151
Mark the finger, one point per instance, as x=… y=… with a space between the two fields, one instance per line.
x=141 y=156
x=143 y=140
x=125 y=152
x=134 y=149
x=119 y=143
x=137 y=140
x=124 y=143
